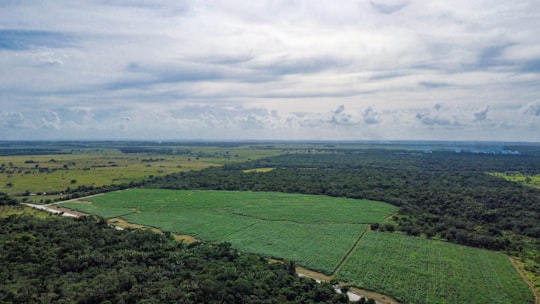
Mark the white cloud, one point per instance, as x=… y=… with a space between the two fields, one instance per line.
x=371 y=117
x=50 y=120
x=11 y=119
x=439 y=116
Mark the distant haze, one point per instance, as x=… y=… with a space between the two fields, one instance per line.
x=287 y=70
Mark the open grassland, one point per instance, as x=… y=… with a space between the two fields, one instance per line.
x=531 y=180
x=33 y=175
x=258 y=170
x=415 y=270
x=315 y=231
x=6 y=211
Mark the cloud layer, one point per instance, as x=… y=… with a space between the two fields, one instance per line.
x=380 y=69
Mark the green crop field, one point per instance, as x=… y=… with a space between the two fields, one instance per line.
x=318 y=232
x=415 y=270
x=315 y=231
x=271 y=206
x=317 y=246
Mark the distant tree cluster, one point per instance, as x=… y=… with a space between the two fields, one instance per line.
x=58 y=260
x=83 y=190
x=6 y=200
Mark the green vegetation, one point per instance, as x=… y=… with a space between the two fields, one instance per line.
x=258 y=170
x=316 y=231
x=531 y=180
x=441 y=194
x=12 y=210
x=57 y=260
x=443 y=191
x=271 y=206
x=40 y=172
x=6 y=200
x=415 y=270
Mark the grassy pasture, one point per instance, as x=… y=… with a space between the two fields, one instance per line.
x=258 y=170
x=105 y=166
x=415 y=270
x=518 y=177
x=315 y=231
x=6 y=211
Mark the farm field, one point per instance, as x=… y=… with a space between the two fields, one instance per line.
x=415 y=270
x=318 y=232
x=271 y=206
x=315 y=231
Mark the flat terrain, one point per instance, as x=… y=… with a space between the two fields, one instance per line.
x=415 y=270
x=319 y=233
x=39 y=177
x=315 y=231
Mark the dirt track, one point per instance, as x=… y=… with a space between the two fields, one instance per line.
x=379 y=298
x=54 y=209
x=531 y=285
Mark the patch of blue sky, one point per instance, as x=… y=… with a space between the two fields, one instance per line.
x=20 y=40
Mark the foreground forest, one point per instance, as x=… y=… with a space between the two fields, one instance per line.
x=59 y=260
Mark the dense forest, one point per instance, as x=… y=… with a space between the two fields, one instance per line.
x=59 y=260
x=444 y=194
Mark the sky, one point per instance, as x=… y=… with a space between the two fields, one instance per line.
x=270 y=70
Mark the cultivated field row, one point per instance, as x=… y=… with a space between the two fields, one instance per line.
x=318 y=232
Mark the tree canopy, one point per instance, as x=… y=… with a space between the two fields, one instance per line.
x=58 y=260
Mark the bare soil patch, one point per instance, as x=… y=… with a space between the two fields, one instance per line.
x=81 y=202
x=66 y=210
x=313 y=274
x=188 y=239
x=118 y=222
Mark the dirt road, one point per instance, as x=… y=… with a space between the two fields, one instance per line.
x=53 y=209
